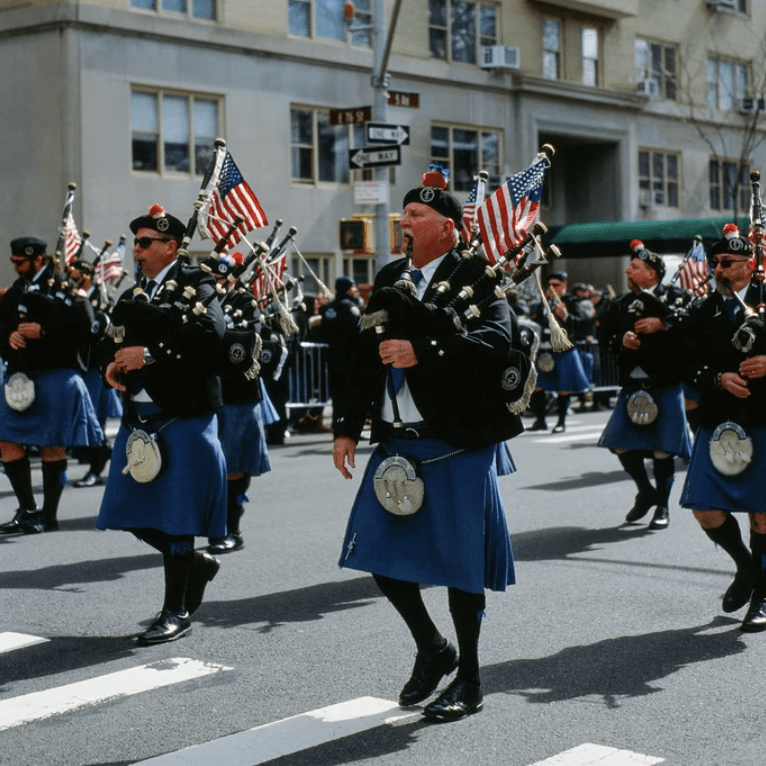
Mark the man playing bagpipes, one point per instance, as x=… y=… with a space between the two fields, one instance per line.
x=648 y=420
x=167 y=477
x=726 y=360
x=429 y=510
x=43 y=340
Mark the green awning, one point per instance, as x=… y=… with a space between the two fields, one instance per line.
x=610 y=238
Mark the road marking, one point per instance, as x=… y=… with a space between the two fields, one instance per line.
x=290 y=735
x=124 y=683
x=592 y=755
x=594 y=435
x=10 y=641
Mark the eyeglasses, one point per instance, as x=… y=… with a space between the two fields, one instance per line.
x=146 y=242
x=726 y=264
x=18 y=261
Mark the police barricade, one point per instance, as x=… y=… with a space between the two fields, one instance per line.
x=606 y=373
x=308 y=375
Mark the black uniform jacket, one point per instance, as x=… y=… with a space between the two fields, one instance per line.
x=183 y=380
x=63 y=319
x=456 y=382
x=709 y=351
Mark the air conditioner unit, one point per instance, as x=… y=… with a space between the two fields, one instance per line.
x=649 y=88
x=499 y=57
x=716 y=5
x=751 y=105
x=645 y=198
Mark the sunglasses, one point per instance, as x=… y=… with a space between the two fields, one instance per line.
x=146 y=242
x=19 y=261
x=725 y=264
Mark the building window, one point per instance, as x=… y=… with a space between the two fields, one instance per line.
x=658 y=62
x=465 y=152
x=551 y=49
x=727 y=83
x=173 y=132
x=658 y=178
x=324 y=19
x=457 y=29
x=724 y=187
x=590 y=56
x=198 y=9
x=319 y=265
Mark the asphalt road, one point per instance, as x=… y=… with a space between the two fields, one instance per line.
x=613 y=635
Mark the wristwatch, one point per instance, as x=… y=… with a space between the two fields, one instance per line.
x=148 y=358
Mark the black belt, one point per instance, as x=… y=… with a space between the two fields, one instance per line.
x=406 y=430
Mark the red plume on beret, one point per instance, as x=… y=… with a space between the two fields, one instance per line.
x=731 y=230
x=156 y=210
x=435 y=178
x=637 y=245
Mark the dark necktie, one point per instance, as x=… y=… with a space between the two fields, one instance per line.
x=150 y=287
x=732 y=306
x=397 y=373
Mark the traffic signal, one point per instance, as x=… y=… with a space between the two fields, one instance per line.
x=355 y=234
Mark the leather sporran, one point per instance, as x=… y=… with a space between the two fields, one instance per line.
x=546 y=362
x=19 y=392
x=142 y=451
x=398 y=487
x=642 y=409
x=731 y=449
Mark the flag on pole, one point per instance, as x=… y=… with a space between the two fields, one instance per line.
x=508 y=213
x=231 y=196
x=72 y=239
x=109 y=268
x=694 y=269
x=272 y=277
x=469 y=209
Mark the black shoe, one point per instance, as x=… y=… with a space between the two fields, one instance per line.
x=559 y=428
x=232 y=542
x=459 y=699
x=430 y=667
x=89 y=480
x=23 y=523
x=168 y=626
x=640 y=508
x=661 y=518
x=51 y=525
x=204 y=570
x=538 y=425
x=755 y=619
x=739 y=592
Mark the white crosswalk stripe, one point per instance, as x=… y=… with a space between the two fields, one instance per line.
x=11 y=641
x=598 y=755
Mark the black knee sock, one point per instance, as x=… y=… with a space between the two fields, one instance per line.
x=235 y=502
x=758 y=548
x=467 y=610
x=19 y=474
x=729 y=537
x=563 y=406
x=177 y=568
x=633 y=463
x=537 y=404
x=664 y=468
x=408 y=601
x=54 y=481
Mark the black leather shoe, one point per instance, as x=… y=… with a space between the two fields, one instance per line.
x=204 y=570
x=739 y=592
x=23 y=523
x=89 y=480
x=50 y=525
x=661 y=518
x=459 y=699
x=641 y=506
x=559 y=428
x=538 y=425
x=755 y=619
x=169 y=626
x=430 y=668
x=232 y=542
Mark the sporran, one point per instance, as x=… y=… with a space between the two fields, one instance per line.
x=398 y=487
x=642 y=409
x=546 y=362
x=142 y=451
x=19 y=392
x=731 y=449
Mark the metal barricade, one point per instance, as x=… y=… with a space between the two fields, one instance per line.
x=308 y=376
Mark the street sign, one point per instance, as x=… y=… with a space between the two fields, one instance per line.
x=381 y=133
x=374 y=157
x=371 y=193
x=401 y=98
x=354 y=116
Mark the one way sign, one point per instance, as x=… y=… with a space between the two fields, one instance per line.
x=374 y=157
x=381 y=133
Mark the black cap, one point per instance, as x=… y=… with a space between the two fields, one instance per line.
x=161 y=222
x=84 y=266
x=434 y=193
x=562 y=276
x=732 y=243
x=343 y=285
x=28 y=247
x=653 y=260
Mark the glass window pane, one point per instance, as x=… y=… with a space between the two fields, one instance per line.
x=643 y=164
x=300 y=127
x=144 y=151
x=143 y=112
x=488 y=24
x=590 y=43
x=642 y=59
x=204 y=9
x=330 y=23
x=300 y=161
x=550 y=65
x=178 y=6
x=490 y=153
x=437 y=13
x=205 y=117
x=299 y=18
x=550 y=35
x=589 y=72
x=175 y=132
x=437 y=43
x=671 y=167
x=742 y=80
x=725 y=85
x=148 y=4
x=332 y=142
x=463 y=31
x=440 y=143
x=465 y=156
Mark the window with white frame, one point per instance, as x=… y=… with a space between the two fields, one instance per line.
x=659 y=178
x=466 y=151
x=173 y=132
x=728 y=182
x=727 y=83
x=197 y=9
x=658 y=62
x=551 y=49
x=311 y=266
x=324 y=19
x=457 y=29
x=590 y=56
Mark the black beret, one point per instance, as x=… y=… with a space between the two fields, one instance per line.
x=562 y=276
x=732 y=243
x=343 y=284
x=160 y=221
x=434 y=194
x=653 y=260
x=29 y=247
x=84 y=266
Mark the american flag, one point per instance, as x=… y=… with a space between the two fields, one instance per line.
x=469 y=209
x=508 y=213
x=231 y=196
x=273 y=278
x=110 y=266
x=694 y=269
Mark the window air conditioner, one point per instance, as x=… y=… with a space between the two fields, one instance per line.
x=499 y=57
x=715 y=5
x=645 y=198
x=751 y=105
x=649 y=88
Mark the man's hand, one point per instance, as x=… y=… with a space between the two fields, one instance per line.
x=735 y=385
x=755 y=367
x=130 y=358
x=631 y=341
x=25 y=331
x=399 y=353
x=113 y=376
x=343 y=452
x=649 y=325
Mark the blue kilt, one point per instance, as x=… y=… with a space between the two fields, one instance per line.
x=243 y=438
x=705 y=489
x=567 y=374
x=458 y=538
x=588 y=362
x=669 y=433
x=504 y=464
x=268 y=410
x=106 y=400
x=61 y=415
x=189 y=495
